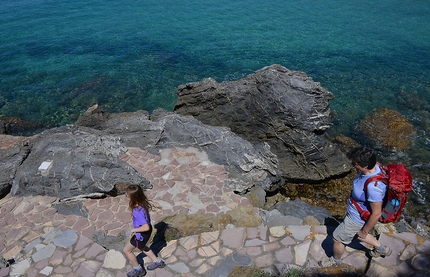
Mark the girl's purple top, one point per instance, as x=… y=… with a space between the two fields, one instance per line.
x=140 y=217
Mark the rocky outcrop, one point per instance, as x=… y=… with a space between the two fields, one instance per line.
x=387 y=129
x=247 y=166
x=72 y=162
x=285 y=109
x=260 y=128
x=78 y=161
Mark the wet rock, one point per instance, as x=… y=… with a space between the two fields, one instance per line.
x=387 y=129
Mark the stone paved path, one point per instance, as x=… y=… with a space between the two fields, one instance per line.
x=46 y=243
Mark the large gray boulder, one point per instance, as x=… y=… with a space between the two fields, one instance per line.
x=71 y=162
x=247 y=166
x=283 y=108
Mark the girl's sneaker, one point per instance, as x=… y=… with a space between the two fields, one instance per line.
x=158 y=264
x=137 y=272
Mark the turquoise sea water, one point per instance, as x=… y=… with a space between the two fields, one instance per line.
x=57 y=58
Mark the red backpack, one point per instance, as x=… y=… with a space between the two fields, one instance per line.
x=399 y=183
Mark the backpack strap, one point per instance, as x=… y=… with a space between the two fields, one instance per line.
x=380 y=177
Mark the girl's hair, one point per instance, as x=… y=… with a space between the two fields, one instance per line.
x=138 y=198
x=363 y=156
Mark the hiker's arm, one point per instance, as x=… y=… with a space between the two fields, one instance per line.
x=142 y=228
x=375 y=214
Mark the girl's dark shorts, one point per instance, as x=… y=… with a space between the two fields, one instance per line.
x=141 y=244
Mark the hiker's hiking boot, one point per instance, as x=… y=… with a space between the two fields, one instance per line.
x=376 y=254
x=158 y=264
x=137 y=272
x=327 y=262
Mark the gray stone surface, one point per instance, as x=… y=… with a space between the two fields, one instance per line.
x=299 y=232
x=301 y=209
x=85 y=162
x=43 y=253
x=274 y=105
x=70 y=207
x=66 y=239
x=275 y=218
x=226 y=266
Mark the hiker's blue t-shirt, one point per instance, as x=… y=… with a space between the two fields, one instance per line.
x=375 y=193
x=140 y=217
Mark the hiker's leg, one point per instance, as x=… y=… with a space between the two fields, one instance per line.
x=370 y=240
x=338 y=249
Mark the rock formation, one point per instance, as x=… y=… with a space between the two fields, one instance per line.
x=283 y=108
x=246 y=165
x=82 y=160
x=278 y=118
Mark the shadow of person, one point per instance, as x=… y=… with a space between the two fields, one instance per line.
x=158 y=241
x=327 y=245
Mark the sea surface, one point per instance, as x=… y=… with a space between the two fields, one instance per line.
x=59 y=57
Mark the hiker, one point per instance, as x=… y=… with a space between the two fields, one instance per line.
x=353 y=226
x=142 y=229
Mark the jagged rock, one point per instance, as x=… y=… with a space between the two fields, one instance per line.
x=93 y=117
x=11 y=159
x=387 y=129
x=246 y=165
x=80 y=162
x=275 y=105
x=257 y=196
x=84 y=162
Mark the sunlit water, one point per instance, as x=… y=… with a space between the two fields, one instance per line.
x=58 y=57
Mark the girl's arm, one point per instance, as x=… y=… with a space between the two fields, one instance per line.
x=142 y=228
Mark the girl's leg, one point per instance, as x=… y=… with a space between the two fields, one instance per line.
x=128 y=252
x=151 y=255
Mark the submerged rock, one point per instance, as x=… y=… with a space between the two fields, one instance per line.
x=387 y=129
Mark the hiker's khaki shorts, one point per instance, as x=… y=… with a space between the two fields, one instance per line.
x=347 y=230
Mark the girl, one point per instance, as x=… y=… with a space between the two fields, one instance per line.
x=141 y=232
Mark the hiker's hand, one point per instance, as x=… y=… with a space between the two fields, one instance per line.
x=362 y=234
